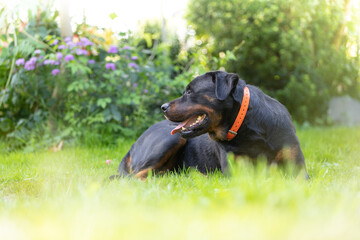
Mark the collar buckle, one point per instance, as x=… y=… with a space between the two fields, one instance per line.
x=232 y=132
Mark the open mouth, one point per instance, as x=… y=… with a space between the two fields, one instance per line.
x=195 y=122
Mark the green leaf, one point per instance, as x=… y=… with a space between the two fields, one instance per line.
x=102 y=102
x=115 y=113
x=5 y=124
x=148 y=39
x=107 y=115
x=3 y=37
x=113 y=16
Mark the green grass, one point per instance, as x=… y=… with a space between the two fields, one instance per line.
x=66 y=195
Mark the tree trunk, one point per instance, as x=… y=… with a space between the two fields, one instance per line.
x=65 y=31
x=65 y=26
x=340 y=30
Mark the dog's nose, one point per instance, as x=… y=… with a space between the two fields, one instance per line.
x=165 y=107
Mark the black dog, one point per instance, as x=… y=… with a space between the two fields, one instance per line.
x=211 y=104
x=159 y=151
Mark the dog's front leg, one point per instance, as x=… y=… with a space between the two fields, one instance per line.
x=223 y=161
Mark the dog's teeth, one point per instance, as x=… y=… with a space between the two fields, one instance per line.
x=183 y=128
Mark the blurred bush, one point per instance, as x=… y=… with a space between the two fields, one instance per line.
x=296 y=51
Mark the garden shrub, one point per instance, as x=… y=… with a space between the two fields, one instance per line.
x=293 y=49
x=79 y=86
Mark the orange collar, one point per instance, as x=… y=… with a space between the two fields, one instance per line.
x=241 y=115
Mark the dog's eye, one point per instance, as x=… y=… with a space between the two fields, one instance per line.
x=188 y=91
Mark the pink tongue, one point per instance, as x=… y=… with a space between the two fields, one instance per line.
x=178 y=128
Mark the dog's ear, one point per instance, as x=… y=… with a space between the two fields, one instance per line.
x=238 y=92
x=224 y=83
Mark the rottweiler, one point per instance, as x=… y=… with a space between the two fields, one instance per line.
x=238 y=116
x=158 y=151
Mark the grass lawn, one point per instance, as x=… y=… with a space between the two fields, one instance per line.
x=66 y=195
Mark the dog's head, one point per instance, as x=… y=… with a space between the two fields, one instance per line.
x=209 y=104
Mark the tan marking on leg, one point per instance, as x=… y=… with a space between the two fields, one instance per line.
x=128 y=162
x=142 y=175
x=279 y=156
x=286 y=154
x=237 y=157
x=165 y=164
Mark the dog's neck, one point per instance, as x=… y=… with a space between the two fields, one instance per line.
x=229 y=115
x=239 y=103
x=240 y=116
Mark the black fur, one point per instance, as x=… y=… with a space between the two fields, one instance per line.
x=267 y=128
x=156 y=142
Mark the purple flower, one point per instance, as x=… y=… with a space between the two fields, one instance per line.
x=134 y=58
x=146 y=91
x=91 y=61
x=37 y=51
x=20 y=61
x=68 y=58
x=135 y=85
x=61 y=46
x=113 y=49
x=29 y=65
x=56 y=63
x=70 y=45
x=126 y=47
x=86 y=42
x=59 y=55
x=84 y=39
x=81 y=52
x=55 y=72
x=133 y=65
x=55 y=42
x=68 y=39
x=110 y=66
x=50 y=62
x=33 y=60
